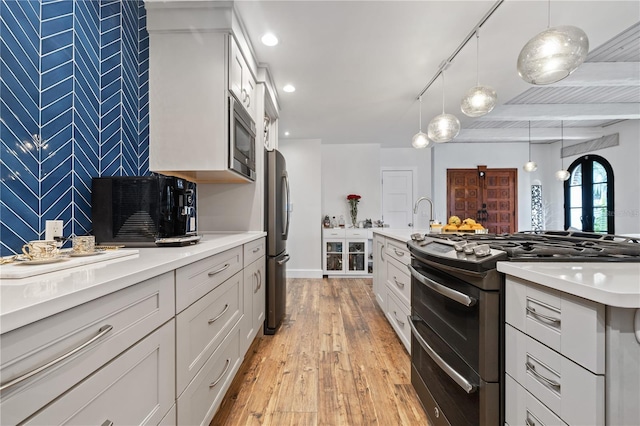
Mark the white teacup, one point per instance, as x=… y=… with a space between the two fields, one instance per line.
x=40 y=249
x=84 y=244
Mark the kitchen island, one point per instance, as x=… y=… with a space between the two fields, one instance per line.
x=168 y=325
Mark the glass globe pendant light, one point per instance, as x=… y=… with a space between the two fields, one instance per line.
x=530 y=166
x=479 y=100
x=553 y=54
x=420 y=139
x=443 y=127
x=562 y=174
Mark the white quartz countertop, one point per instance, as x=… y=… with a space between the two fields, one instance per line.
x=398 y=234
x=26 y=300
x=612 y=284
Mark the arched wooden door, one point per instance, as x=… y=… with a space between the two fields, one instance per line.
x=472 y=191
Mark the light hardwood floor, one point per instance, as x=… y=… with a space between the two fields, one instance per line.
x=334 y=361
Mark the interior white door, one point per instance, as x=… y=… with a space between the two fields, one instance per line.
x=397 y=196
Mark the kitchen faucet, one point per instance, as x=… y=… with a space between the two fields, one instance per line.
x=415 y=208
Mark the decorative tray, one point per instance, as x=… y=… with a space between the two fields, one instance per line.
x=25 y=268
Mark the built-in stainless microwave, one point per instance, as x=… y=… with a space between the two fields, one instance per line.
x=242 y=139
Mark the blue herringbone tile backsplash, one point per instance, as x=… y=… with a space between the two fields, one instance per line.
x=73 y=105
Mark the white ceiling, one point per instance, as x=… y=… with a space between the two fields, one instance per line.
x=358 y=67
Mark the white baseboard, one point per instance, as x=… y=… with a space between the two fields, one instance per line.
x=304 y=273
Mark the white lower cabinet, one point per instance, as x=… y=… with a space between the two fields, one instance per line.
x=136 y=388
x=254 y=301
x=90 y=334
x=203 y=325
x=554 y=356
x=202 y=397
x=397 y=313
x=379 y=270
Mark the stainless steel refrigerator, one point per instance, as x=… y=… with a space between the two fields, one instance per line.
x=277 y=218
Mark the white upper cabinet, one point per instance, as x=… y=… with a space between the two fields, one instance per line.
x=198 y=55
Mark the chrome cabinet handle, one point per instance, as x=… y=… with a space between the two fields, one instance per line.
x=443 y=290
x=107 y=423
x=101 y=332
x=212 y=320
x=532 y=368
x=382 y=252
x=255 y=250
x=395 y=314
x=547 y=318
x=455 y=376
x=398 y=252
x=217 y=271
x=255 y=274
x=399 y=284
x=226 y=367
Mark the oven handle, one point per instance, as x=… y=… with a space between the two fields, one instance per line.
x=457 y=377
x=443 y=290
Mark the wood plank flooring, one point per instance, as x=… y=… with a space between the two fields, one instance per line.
x=334 y=361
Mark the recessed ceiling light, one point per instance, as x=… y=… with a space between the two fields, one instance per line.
x=269 y=39
x=286 y=133
x=289 y=88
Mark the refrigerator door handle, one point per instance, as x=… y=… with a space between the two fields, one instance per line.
x=284 y=260
x=285 y=207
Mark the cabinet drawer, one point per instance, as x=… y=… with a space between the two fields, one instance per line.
x=356 y=233
x=399 y=251
x=202 y=326
x=333 y=232
x=399 y=280
x=572 y=392
x=254 y=251
x=200 y=401
x=132 y=313
x=136 y=388
x=397 y=313
x=195 y=280
x=568 y=324
x=521 y=408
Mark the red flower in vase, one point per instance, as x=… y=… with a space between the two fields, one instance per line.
x=353 y=197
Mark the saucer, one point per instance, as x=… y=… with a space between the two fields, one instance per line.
x=41 y=261
x=89 y=253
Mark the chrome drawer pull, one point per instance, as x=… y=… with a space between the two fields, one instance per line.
x=443 y=290
x=255 y=250
x=226 y=367
x=226 y=308
x=395 y=314
x=455 y=376
x=107 y=423
x=532 y=368
x=547 y=318
x=382 y=252
x=217 y=271
x=259 y=279
x=255 y=274
x=401 y=285
x=398 y=252
x=101 y=332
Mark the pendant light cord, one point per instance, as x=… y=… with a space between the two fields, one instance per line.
x=529 y=140
x=443 y=91
x=420 y=116
x=478 y=57
x=562 y=144
x=548 y=13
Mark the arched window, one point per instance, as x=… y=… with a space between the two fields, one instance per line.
x=588 y=196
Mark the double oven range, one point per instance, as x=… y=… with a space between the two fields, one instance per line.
x=457 y=313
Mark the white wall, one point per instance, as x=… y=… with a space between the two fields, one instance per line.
x=304 y=159
x=471 y=155
x=625 y=161
x=350 y=169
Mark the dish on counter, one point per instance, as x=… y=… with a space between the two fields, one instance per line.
x=40 y=261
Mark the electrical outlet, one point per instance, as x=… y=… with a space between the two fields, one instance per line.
x=53 y=228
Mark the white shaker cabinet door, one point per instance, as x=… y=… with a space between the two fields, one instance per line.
x=137 y=388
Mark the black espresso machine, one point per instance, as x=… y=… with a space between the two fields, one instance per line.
x=140 y=211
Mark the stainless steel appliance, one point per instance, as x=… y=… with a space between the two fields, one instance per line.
x=457 y=313
x=277 y=219
x=242 y=139
x=143 y=210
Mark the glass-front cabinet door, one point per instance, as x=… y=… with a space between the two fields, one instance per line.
x=333 y=256
x=357 y=256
